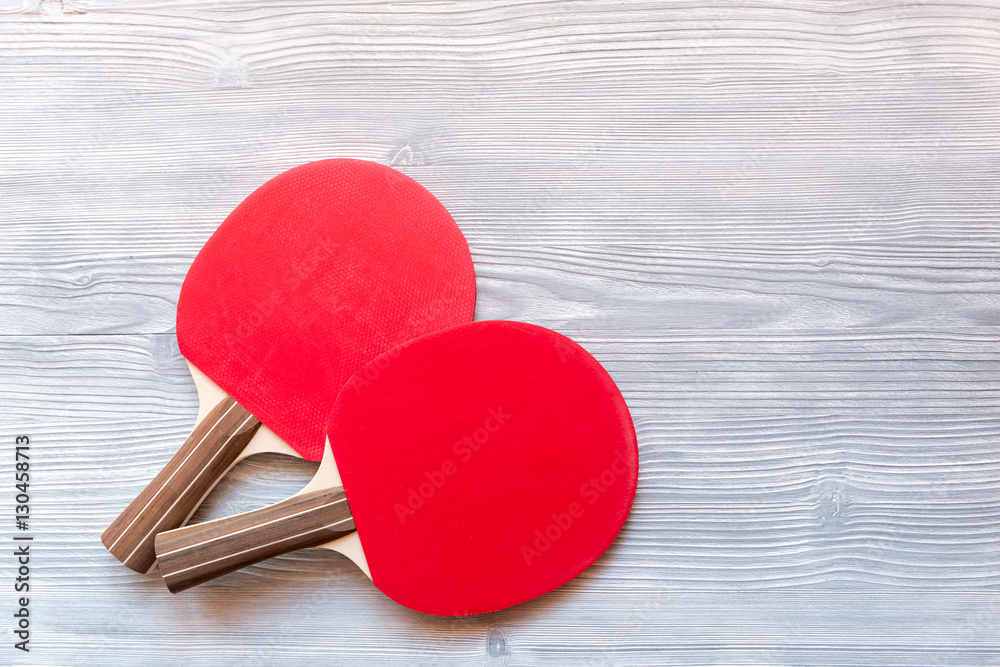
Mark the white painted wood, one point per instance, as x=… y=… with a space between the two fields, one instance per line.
x=775 y=223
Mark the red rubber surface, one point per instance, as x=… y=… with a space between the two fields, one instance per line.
x=484 y=465
x=317 y=272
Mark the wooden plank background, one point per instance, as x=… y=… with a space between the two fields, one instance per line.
x=776 y=224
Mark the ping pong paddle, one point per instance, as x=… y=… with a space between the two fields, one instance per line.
x=317 y=272
x=481 y=465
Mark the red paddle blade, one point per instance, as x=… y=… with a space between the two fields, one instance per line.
x=484 y=465
x=317 y=272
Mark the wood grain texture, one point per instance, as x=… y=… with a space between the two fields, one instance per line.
x=175 y=492
x=775 y=223
x=195 y=554
x=650 y=286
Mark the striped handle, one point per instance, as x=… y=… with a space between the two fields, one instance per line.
x=195 y=554
x=173 y=495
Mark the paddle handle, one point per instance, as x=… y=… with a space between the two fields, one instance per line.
x=179 y=488
x=195 y=554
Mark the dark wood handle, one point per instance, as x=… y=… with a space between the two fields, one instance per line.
x=195 y=554
x=176 y=491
